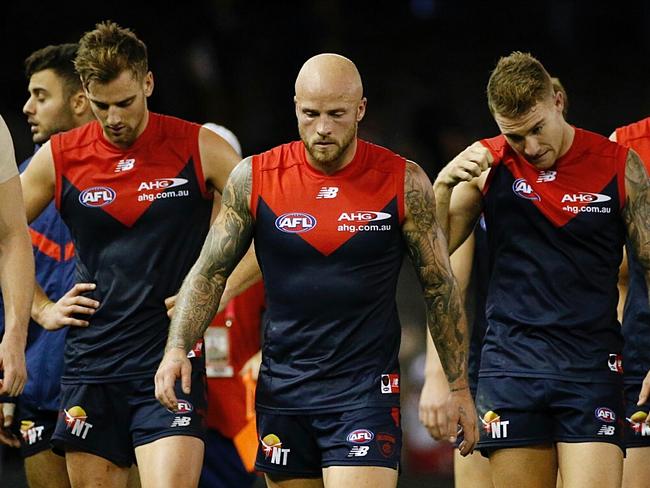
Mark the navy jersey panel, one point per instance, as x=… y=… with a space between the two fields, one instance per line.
x=331 y=328
x=555 y=244
x=55 y=263
x=138 y=218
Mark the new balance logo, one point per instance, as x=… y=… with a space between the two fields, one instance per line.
x=607 y=430
x=546 y=176
x=181 y=421
x=125 y=165
x=358 y=451
x=327 y=192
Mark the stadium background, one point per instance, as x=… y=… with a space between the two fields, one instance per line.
x=424 y=64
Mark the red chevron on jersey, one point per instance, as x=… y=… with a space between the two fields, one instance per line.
x=327 y=211
x=570 y=186
x=124 y=183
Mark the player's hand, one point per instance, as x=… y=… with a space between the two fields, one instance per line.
x=433 y=404
x=252 y=366
x=174 y=365
x=170 y=303
x=12 y=363
x=7 y=437
x=645 y=390
x=469 y=164
x=56 y=315
x=462 y=413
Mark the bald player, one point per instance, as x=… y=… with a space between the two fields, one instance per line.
x=331 y=216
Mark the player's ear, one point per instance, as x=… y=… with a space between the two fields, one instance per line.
x=361 y=109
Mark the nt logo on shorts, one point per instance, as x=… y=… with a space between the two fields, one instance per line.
x=638 y=423
x=494 y=426
x=76 y=421
x=31 y=432
x=272 y=447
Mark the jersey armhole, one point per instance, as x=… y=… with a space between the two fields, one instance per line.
x=55 y=148
x=255 y=184
x=401 y=177
x=195 y=150
x=620 y=178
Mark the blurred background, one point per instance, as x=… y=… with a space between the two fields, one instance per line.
x=424 y=63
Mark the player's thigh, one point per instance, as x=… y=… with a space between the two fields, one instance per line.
x=87 y=470
x=134 y=478
x=529 y=466
x=274 y=480
x=472 y=471
x=636 y=468
x=590 y=464
x=46 y=470
x=170 y=462
x=359 y=476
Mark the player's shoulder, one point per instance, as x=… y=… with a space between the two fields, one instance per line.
x=381 y=158
x=597 y=145
x=281 y=156
x=636 y=130
x=169 y=126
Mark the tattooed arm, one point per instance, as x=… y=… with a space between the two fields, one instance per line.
x=427 y=248
x=227 y=241
x=636 y=214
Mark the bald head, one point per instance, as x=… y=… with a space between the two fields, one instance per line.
x=329 y=75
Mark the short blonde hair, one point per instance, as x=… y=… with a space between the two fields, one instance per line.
x=517 y=83
x=107 y=51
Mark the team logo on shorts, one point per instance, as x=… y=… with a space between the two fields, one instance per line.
x=272 y=447
x=295 y=222
x=386 y=443
x=615 y=363
x=605 y=414
x=390 y=383
x=360 y=436
x=523 y=190
x=76 y=421
x=494 y=426
x=638 y=423
x=31 y=432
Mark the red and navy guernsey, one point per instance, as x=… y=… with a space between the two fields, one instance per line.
x=636 y=314
x=555 y=239
x=330 y=249
x=138 y=218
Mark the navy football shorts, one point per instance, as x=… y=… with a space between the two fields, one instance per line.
x=302 y=445
x=34 y=428
x=110 y=420
x=637 y=431
x=516 y=412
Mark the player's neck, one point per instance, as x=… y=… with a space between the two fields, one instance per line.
x=338 y=164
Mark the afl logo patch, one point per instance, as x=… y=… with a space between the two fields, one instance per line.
x=295 y=222
x=605 y=414
x=360 y=436
x=523 y=190
x=97 y=196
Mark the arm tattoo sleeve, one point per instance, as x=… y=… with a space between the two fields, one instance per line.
x=228 y=240
x=427 y=249
x=636 y=212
